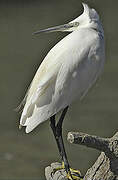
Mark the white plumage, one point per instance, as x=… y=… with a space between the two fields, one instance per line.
x=68 y=70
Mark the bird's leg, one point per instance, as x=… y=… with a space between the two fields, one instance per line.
x=57 y=131
x=60 y=140
x=53 y=127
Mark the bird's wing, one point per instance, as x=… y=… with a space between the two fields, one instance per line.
x=47 y=94
x=43 y=85
x=43 y=102
x=40 y=93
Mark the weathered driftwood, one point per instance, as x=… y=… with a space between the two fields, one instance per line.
x=106 y=166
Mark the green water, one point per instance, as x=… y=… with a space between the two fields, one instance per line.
x=25 y=156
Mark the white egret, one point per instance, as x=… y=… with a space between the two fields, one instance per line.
x=67 y=72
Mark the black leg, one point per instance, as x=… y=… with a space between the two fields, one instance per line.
x=57 y=131
x=53 y=126
x=60 y=139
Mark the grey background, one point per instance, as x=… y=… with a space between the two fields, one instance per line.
x=26 y=156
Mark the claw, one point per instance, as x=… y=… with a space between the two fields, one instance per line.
x=76 y=174
x=69 y=176
x=72 y=173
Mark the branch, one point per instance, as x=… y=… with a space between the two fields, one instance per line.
x=106 y=166
x=95 y=142
x=107 y=145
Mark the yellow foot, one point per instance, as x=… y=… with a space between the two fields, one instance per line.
x=72 y=174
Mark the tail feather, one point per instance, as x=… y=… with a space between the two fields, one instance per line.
x=39 y=115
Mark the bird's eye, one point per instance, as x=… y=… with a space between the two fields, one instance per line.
x=76 y=24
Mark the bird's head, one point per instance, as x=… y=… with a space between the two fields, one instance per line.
x=89 y=18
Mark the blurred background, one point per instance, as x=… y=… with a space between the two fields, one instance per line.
x=26 y=155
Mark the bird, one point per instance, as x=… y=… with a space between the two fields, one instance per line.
x=67 y=72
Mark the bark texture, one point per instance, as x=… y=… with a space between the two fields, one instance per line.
x=106 y=166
